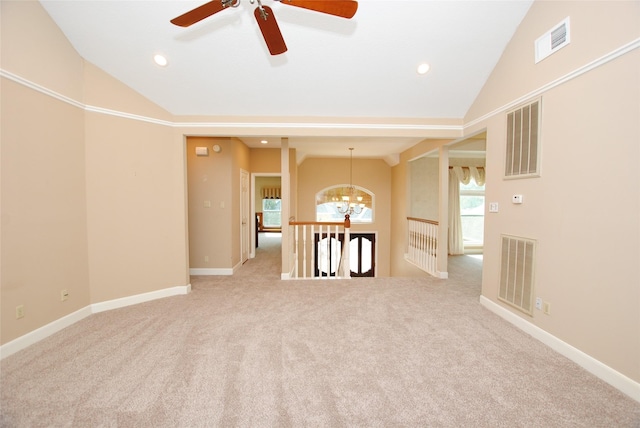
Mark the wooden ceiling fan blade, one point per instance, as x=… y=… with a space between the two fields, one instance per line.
x=342 y=8
x=270 y=30
x=199 y=13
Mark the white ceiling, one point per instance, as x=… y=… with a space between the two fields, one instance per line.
x=359 y=68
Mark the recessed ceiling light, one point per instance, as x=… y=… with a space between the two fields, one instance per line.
x=161 y=60
x=423 y=68
x=264 y=141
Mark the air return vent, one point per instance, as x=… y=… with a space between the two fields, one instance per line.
x=553 y=40
x=522 y=152
x=516 y=272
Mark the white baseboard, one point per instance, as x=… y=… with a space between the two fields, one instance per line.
x=139 y=298
x=53 y=327
x=236 y=267
x=43 y=332
x=287 y=275
x=210 y=271
x=612 y=377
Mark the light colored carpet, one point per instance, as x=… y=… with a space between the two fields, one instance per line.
x=254 y=351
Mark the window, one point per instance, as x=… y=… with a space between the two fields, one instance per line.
x=472 y=213
x=330 y=200
x=271 y=213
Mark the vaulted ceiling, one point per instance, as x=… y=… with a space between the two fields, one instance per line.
x=363 y=68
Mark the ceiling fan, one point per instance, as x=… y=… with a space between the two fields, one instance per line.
x=265 y=17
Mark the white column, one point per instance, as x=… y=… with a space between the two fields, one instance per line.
x=443 y=212
x=285 y=184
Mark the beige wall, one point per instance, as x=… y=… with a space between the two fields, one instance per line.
x=583 y=209
x=264 y=160
x=92 y=203
x=423 y=188
x=214 y=180
x=44 y=222
x=135 y=194
x=315 y=174
x=209 y=177
x=44 y=57
x=135 y=207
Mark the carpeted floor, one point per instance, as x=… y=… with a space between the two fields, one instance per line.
x=254 y=351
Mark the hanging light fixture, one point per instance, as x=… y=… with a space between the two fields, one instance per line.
x=351 y=202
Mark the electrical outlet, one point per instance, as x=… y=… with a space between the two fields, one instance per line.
x=19 y=311
x=64 y=295
x=538 y=303
x=547 y=308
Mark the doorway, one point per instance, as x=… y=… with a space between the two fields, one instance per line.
x=263 y=185
x=467 y=195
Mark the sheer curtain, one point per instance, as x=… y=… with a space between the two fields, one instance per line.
x=457 y=175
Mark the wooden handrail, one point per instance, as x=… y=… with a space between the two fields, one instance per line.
x=317 y=223
x=422 y=220
x=345 y=223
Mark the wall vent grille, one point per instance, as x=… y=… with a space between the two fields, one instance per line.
x=523 y=129
x=516 y=272
x=553 y=40
x=559 y=36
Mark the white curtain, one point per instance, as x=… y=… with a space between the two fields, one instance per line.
x=456 y=244
x=457 y=175
x=477 y=173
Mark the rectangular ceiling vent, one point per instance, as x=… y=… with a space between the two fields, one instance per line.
x=517 y=266
x=553 y=40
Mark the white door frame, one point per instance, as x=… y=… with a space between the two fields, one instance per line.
x=245 y=232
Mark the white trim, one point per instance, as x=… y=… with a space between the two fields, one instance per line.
x=125 y=115
x=43 y=332
x=53 y=327
x=288 y=275
x=31 y=85
x=211 y=271
x=139 y=298
x=612 y=377
x=312 y=125
x=616 y=53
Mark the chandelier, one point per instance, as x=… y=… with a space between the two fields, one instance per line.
x=351 y=202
